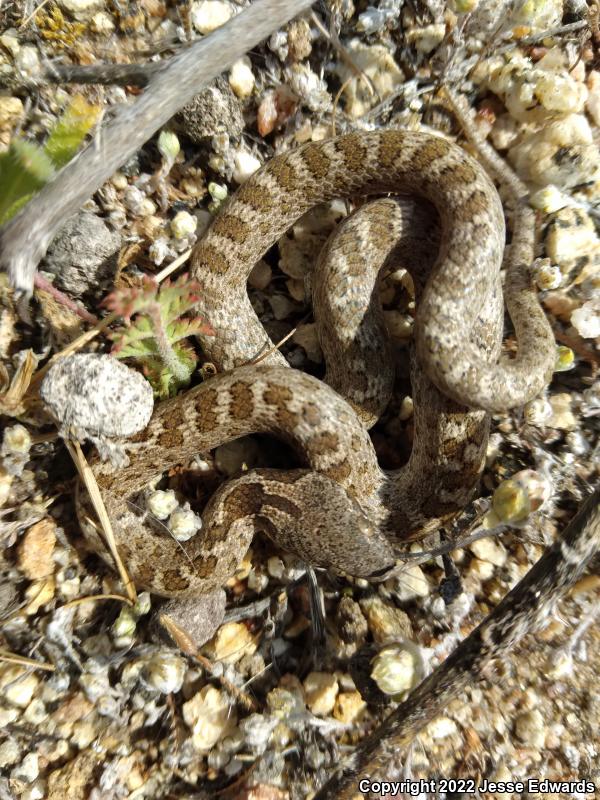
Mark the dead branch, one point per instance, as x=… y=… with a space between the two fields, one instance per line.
x=25 y=239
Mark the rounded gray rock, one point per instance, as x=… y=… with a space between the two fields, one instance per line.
x=96 y=397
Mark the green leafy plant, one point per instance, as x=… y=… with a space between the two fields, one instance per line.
x=156 y=337
x=26 y=166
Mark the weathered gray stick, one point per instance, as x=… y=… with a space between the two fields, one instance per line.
x=25 y=239
x=530 y=603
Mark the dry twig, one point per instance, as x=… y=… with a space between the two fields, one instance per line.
x=25 y=239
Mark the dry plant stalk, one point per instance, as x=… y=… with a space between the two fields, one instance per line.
x=87 y=476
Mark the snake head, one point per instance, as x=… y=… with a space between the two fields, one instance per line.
x=312 y=516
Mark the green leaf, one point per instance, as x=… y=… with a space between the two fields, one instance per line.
x=24 y=169
x=71 y=129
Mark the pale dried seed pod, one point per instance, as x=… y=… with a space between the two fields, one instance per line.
x=184 y=524
x=161 y=504
x=565 y=359
x=518 y=497
x=16 y=441
x=164 y=672
x=397 y=668
x=123 y=628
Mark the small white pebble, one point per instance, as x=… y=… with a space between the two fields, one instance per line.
x=562 y=417
x=244 y=165
x=257 y=581
x=560 y=665
x=241 y=78
x=276 y=567
x=257 y=730
x=133 y=199
x=586 y=319
x=530 y=728
x=375 y=19
x=427 y=38
x=102 y=24
x=35 y=790
x=119 y=181
x=162 y=503
x=209 y=15
x=549 y=199
x=211 y=716
x=18 y=687
x=537 y=412
x=159 y=250
x=232 y=642
x=28 y=770
x=10 y=753
x=147 y=208
x=406 y=409
x=412 y=582
x=442 y=728
x=561 y=93
x=489 y=550
x=320 y=692
x=36 y=712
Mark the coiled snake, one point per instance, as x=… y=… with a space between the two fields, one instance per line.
x=457 y=377
x=342 y=510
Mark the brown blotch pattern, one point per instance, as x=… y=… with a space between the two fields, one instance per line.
x=390 y=147
x=140 y=437
x=475 y=203
x=356 y=443
x=105 y=481
x=205 y=406
x=284 y=173
x=316 y=162
x=205 y=567
x=245 y=500
x=282 y=504
x=231 y=227
x=287 y=476
x=279 y=396
x=171 y=438
x=173 y=417
x=338 y=472
x=257 y=197
x=241 y=405
x=275 y=395
x=323 y=443
x=353 y=151
x=175 y=580
x=423 y=156
x=212 y=260
x=461 y=173
x=212 y=536
x=145 y=574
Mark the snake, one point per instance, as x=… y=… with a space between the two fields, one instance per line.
x=438 y=215
x=339 y=509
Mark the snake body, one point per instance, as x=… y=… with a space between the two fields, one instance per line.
x=350 y=506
